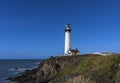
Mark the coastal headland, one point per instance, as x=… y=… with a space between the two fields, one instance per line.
x=87 y=68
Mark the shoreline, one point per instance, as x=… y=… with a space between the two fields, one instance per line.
x=13 y=68
x=73 y=69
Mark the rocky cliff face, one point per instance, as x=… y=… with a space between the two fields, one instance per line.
x=74 y=69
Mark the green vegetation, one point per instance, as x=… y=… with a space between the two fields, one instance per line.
x=102 y=69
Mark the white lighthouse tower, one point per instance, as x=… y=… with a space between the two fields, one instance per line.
x=68 y=45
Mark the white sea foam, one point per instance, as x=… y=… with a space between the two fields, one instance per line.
x=37 y=63
x=17 y=69
x=12 y=68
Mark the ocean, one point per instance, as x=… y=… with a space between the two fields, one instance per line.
x=12 y=67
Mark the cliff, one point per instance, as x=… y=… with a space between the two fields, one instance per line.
x=74 y=69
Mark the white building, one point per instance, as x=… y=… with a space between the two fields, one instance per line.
x=104 y=53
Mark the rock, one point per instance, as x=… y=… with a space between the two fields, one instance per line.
x=16 y=68
x=9 y=78
x=74 y=69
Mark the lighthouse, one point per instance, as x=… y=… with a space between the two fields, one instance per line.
x=68 y=44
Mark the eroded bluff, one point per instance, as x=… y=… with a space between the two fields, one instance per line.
x=74 y=69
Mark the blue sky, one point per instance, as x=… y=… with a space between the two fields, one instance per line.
x=35 y=28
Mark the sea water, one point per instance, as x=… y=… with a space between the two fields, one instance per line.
x=11 y=67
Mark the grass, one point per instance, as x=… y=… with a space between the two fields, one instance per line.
x=99 y=68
